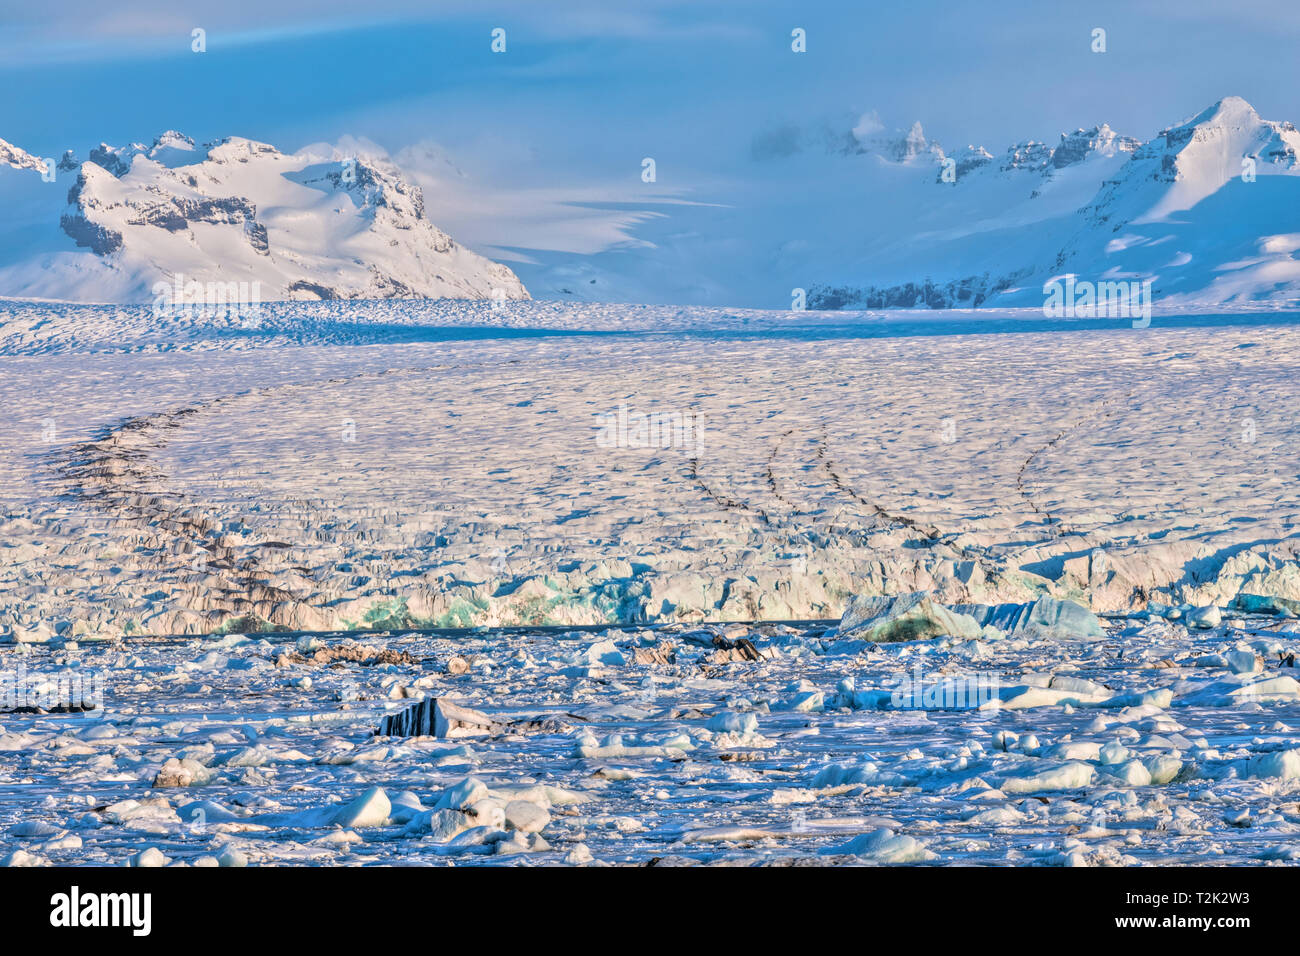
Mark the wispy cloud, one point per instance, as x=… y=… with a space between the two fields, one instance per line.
x=84 y=30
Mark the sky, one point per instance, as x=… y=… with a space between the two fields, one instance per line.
x=587 y=88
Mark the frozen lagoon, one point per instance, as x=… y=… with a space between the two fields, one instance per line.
x=250 y=749
x=377 y=464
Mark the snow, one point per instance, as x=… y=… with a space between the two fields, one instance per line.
x=872 y=222
x=175 y=494
x=247 y=430
x=1284 y=764
x=1149 y=784
x=301 y=226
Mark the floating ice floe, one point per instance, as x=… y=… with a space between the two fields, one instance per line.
x=436 y=717
x=905 y=617
x=371 y=809
x=918 y=616
x=1046 y=617
x=1283 y=764
x=883 y=846
x=1071 y=775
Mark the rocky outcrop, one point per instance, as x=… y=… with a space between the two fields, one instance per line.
x=98 y=239
x=964 y=293
x=11 y=155
x=105 y=157
x=175 y=213
x=1076 y=147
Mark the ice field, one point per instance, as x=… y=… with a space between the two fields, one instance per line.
x=182 y=497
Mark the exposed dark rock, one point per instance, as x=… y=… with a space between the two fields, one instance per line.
x=968 y=292
x=435 y=717
x=177 y=212
x=98 y=239
x=312 y=290
x=257 y=237
x=105 y=157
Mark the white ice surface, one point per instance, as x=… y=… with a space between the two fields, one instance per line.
x=1081 y=462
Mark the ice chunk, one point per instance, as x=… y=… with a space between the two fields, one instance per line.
x=883 y=846
x=526 y=816
x=436 y=717
x=1243 y=662
x=1132 y=772
x=182 y=773
x=149 y=857
x=1281 y=763
x=906 y=617
x=459 y=796
x=733 y=723
x=1045 y=618
x=368 y=810
x=1072 y=775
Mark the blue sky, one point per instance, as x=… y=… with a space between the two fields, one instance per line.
x=582 y=83
x=589 y=87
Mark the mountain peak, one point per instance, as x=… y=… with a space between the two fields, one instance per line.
x=1204 y=209
x=1230 y=109
x=174 y=139
x=1202 y=154
x=901 y=147
x=19 y=158
x=240 y=211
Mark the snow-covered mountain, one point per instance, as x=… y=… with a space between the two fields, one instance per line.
x=311 y=225
x=861 y=217
x=844 y=213
x=1208 y=210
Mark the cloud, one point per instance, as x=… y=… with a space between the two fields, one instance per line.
x=91 y=31
x=868 y=125
x=486 y=213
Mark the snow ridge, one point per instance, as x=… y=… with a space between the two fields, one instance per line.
x=1205 y=210
x=142 y=216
